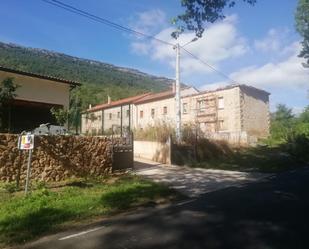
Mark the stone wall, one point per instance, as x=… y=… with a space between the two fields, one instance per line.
x=234 y=138
x=56 y=158
x=151 y=150
x=228 y=114
x=255 y=112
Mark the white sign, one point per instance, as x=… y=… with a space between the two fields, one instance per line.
x=26 y=142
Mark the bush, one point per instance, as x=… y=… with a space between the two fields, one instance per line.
x=160 y=131
x=40 y=185
x=191 y=133
x=298 y=141
x=10 y=187
x=200 y=150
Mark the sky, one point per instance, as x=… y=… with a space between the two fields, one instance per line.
x=254 y=45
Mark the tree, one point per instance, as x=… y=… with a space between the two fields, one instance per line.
x=283 y=113
x=304 y=116
x=60 y=114
x=302 y=26
x=282 y=122
x=72 y=115
x=7 y=94
x=199 y=12
x=75 y=109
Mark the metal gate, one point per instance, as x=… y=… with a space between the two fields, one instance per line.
x=123 y=152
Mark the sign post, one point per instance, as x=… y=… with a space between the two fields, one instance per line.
x=26 y=142
x=28 y=171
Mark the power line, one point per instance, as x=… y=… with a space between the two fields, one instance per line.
x=96 y=18
x=208 y=65
x=93 y=17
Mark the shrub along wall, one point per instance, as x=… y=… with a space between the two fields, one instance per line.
x=201 y=151
x=56 y=158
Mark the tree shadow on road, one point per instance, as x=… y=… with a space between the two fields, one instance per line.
x=268 y=214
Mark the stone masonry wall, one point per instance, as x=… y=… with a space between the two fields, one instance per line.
x=255 y=112
x=56 y=158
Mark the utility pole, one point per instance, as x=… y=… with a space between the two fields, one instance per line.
x=177 y=96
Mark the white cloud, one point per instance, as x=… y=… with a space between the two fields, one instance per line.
x=140 y=48
x=271 y=42
x=220 y=42
x=288 y=72
x=286 y=80
x=273 y=59
x=276 y=42
x=148 y=21
x=214 y=86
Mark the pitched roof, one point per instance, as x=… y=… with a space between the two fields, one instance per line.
x=40 y=76
x=254 y=88
x=155 y=96
x=230 y=87
x=129 y=100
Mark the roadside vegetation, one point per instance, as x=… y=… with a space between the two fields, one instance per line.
x=286 y=148
x=260 y=159
x=290 y=132
x=58 y=206
x=160 y=132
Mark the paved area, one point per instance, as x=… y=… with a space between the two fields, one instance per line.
x=193 y=181
x=269 y=214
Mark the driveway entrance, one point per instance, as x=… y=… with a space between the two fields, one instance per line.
x=193 y=181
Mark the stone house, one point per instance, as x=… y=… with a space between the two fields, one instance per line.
x=35 y=96
x=231 y=109
x=234 y=109
x=111 y=116
x=129 y=113
x=158 y=107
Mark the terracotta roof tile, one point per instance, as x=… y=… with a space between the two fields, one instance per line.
x=129 y=100
x=155 y=96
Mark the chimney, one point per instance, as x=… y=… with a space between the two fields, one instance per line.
x=90 y=106
x=174 y=87
x=108 y=100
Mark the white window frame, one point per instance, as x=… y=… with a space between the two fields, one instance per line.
x=220 y=103
x=184 y=108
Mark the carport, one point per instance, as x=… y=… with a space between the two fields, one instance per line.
x=27 y=115
x=35 y=96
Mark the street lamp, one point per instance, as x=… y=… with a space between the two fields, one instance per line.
x=193 y=40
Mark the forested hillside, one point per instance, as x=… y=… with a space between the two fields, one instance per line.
x=98 y=79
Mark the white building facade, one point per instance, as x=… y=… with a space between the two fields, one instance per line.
x=232 y=109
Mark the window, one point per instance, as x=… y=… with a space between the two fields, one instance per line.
x=201 y=105
x=165 y=110
x=221 y=103
x=152 y=112
x=221 y=125
x=203 y=126
x=118 y=114
x=110 y=116
x=141 y=114
x=185 y=108
x=99 y=118
x=128 y=113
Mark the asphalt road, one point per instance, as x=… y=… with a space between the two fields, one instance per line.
x=273 y=213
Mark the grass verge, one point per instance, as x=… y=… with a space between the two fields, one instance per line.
x=50 y=209
x=262 y=159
